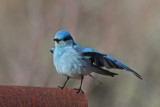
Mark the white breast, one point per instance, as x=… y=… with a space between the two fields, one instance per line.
x=70 y=63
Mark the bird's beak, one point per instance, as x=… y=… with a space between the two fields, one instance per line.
x=57 y=40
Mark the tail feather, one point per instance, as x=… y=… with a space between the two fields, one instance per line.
x=104 y=72
x=125 y=67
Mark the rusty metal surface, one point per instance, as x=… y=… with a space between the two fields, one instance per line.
x=21 y=96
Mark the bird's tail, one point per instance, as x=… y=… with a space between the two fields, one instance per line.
x=104 y=72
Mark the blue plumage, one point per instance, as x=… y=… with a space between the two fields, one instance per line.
x=74 y=61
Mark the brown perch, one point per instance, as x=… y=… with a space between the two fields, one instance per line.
x=24 y=96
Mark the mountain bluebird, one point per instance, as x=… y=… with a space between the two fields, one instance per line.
x=74 y=61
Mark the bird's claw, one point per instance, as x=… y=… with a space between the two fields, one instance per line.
x=61 y=87
x=79 y=90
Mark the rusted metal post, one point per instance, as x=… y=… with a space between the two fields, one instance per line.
x=23 y=96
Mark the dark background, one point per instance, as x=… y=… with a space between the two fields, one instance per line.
x=128 y=30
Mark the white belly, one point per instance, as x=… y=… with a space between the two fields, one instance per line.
x=70 y=63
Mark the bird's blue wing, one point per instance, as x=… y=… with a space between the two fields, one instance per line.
x=103 y=60
x=82 y=49
x=98 y=58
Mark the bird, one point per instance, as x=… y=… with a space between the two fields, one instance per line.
x=74 y=61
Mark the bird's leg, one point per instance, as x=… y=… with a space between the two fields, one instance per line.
x=79 y=89
x=64 y=83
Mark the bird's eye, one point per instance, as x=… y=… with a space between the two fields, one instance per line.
x=65 y=39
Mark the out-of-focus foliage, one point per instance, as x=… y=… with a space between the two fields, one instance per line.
x=128 y=30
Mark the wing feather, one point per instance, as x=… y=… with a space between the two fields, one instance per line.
x=52 y=50
x=103 y=60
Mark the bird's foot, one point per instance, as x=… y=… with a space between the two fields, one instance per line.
x=79 y=90
x=61 y=87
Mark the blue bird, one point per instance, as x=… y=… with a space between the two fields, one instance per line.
x=74 y=61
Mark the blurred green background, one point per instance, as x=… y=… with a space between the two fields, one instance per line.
x=128 y=30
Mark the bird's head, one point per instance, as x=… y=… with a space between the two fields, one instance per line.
x=63 y=39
